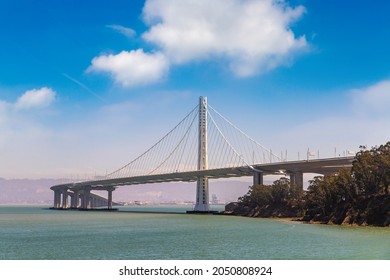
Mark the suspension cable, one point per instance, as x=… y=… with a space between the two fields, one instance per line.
x=247 y=136
x=163 y=138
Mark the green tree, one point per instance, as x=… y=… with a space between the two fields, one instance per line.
x=371 y=170
x=319 y=197
x=278 y=199
x=345 y=187
x=283 y=192
x=257 y=195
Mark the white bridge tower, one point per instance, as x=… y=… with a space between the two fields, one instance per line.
x=202 y=188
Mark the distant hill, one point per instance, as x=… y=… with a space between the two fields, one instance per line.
x=27 y=191
x=37 y=191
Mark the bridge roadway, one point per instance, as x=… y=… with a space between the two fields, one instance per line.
x=295 y=169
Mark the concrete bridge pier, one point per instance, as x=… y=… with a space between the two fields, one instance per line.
x=57 y=199
x=202 y=195
x=75 y=198
x=85 y=199
x=258 y=178
x=296 y=178
x=109 y=197
x=81 y=197
x=65 y=198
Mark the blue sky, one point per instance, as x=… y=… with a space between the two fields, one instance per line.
x=85 y=86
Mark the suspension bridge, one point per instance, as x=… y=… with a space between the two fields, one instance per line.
x=203 y=146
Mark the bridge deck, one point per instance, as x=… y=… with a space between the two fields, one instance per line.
x=320 y=166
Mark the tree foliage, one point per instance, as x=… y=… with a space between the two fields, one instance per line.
x=326 y=193
x=371 y=170
x=279 y=199
x=358 y=195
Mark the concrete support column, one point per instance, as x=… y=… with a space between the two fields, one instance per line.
x=76 y=198
x=57 y=199
x=85 y=202
x=202 y=195
x=65 y=198
x=296 y=178
x=109 y=198
x=71 y=200
x=258 y=178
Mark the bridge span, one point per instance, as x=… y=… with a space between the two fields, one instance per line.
x=210 y=148
x=294 y=169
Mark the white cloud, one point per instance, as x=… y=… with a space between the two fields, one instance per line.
x=251 y=36
x=24 y=140
x=3 y=112
x=128 y=32
x=375 y=97
x=254 y=36
x=132 y=68
x=36 y=98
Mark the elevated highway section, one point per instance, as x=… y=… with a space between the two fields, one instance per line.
x=80 y=192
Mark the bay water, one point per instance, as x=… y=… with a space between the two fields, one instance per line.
x=166 y=232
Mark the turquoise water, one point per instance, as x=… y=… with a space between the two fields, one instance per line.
x=38 y=233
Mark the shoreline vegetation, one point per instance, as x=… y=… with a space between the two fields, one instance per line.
x=357 y=196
